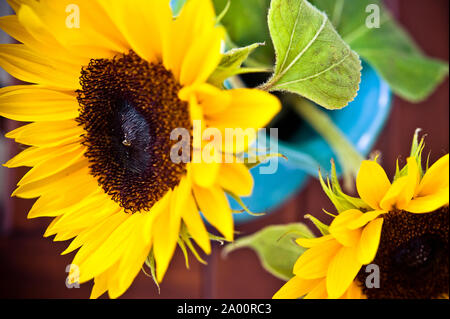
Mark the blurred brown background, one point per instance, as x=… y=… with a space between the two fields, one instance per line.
x=31 y=267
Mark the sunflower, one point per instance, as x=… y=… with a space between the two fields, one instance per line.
x=401 y=228
x=106 y=89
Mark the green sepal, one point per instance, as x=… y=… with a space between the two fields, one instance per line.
x=323 y=228
x=151 y=264
x=340 y=200
x=184 y=241
x=262 y=159
x=416 y=152
x=231 y=65
x=241 y=203
x=223 y=12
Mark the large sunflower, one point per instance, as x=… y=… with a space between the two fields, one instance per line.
x=402 y=228
x=106 y=90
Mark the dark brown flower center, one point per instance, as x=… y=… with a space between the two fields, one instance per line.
x=128 y=109
x=413 y=257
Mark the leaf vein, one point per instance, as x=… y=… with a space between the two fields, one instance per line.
x=319 y=73
x=292 y=36
x=306 y=48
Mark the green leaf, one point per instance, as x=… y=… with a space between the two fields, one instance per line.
x=312 y=59
x=231 y=62
x=389 y=49
x=246 y=23
x=275 y=247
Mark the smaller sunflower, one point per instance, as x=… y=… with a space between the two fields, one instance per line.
x=401 y=227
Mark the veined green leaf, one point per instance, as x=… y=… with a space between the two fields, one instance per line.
x=389 y=48
x=312 y=59
x=231 y=63
x=275 y=247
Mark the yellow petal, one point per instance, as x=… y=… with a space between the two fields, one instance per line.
x=34 y=33
x=429 y=203
x=249 y=108
x=314 y=262
x=12 y=26
x=370 y=239
x=14 y=4
x=67 y=234
x=313 y=242
x=54 y=165
x=296 y=287
x=164 y=241
x=180 y=197
x=195 y=225
x=196 y=19
x=100 y=286
x=402 y=190
x=319 y=292
x=47 y=134
x=212 y=99
x=151 y=17
x=50 y=204
x=91 y=238
x=203 y=57
x=68 y=179
x=365 y=219
x=34 y=155
x=27 y=66
x=205 y=174
x=354 y=292
x=372 y=183
x=215 y=207
x=132 y=260
x=436 y=178
x=110 y=250
x=340 y=230
x=236 y=178
x=342 y=271
x=96 y=29
x=30 y=103
x=89 y=212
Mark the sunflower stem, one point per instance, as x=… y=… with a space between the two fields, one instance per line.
x=349 y=158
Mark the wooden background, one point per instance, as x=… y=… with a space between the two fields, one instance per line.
x=31 y=267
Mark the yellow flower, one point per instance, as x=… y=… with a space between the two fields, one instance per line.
x=110 y=80
x=400 y=227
